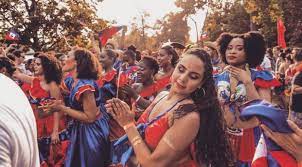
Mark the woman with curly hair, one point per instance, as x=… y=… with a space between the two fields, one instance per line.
x=183 y=127
x=89 y=143
x=240 y=82
x=45 y=86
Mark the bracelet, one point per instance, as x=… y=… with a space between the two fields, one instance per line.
x=137 y=142
x=136 y=138
x=129 y=125
x=138 y=98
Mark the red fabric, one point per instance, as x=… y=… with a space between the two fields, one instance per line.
x=107 y=33
x=12 y=36
x=281 y=30
x=45 y=125
x=149 y=91
x=107 y=78
x=284 y=159
x=83 y=89
x=25 y=88
x=36 y=91
x=156 y=131
x=260 y=162
x=266 y=84
x=122 y=80
x=163 y=82
x=58 y=154
x=247 y=146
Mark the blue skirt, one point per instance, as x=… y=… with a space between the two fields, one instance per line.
x=89 y=144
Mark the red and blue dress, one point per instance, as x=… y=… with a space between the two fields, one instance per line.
x=38 y=97
x=243 y=142
x=108 y=88
x=89 y=142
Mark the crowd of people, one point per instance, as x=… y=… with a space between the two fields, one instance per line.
x=182 y=106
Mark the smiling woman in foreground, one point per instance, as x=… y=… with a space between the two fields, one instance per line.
x=183 y=127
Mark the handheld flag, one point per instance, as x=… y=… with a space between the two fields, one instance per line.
x=107 y=33
x=12 y=35
x=281 y=31
x=260 y=157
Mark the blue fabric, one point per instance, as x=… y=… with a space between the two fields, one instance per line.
x=117 y=64
x=89 y=142
x=269 y=115
x=263 y=74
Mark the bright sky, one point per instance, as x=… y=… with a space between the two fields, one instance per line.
x=123 y=12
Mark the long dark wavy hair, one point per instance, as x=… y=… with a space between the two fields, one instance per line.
x=51 y=68
x=212 y=146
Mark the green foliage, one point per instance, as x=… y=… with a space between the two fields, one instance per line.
x=43 y=23
x=240 y=16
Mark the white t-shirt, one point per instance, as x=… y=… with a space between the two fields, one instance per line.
x=266 y=63
x=18 y=132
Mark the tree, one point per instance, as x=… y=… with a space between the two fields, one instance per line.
x=292 y=15
x=43 y=24
x=226 y=17
x=173 y=27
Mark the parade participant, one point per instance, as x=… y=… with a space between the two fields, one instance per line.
x=29 y=66
x=89 y=144
x=217 y=63
x=167 y=59
x=7 y=67
x=129 y=66
x=145 y=89
x=45 y=85
x=239 y=83
x=19 y=60
x=18 y=131
x=296 y=93
x=188 y=116
x=108 y=88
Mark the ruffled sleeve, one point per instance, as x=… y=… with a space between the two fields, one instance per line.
x=264 y=79
x=83 y=89
x=83 y=86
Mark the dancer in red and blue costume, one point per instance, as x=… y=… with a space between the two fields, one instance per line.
x=143 y=92
x=108 y=88
x=89 y=136
x=240 y=83
x=168 y=132
x=51 y=127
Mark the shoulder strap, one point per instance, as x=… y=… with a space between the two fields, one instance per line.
x=163 y=113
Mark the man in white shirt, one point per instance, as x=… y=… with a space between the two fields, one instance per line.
x=18 y=132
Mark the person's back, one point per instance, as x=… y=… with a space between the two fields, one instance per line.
x=18 y=133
